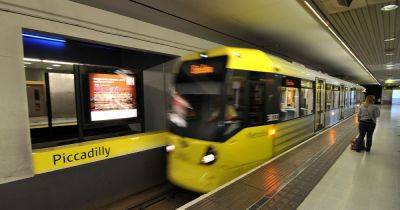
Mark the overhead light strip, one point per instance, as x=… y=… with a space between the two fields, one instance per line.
x=56 y=63
x=340 y=39
x=43 y=37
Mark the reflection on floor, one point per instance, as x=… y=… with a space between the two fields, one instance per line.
x=364 y=180
x=42 y=122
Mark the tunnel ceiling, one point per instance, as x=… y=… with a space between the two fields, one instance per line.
x=365 y=27
x=284 y=27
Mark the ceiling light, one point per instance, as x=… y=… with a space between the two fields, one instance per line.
x=49 y=68
x=390 y=80
x=389 y=7
x=340 y=40
x=389 y=54
x=58 y=62
x=32 y=59
x=203 y=55
x=27 y=63
x=389 y=39
x=56 y=65
x=236 y=54
x=24 y=66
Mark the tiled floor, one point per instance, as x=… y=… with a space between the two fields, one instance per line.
x=364 y=180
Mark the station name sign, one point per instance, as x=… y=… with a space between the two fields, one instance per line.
x=95 y=152
x=61 y=157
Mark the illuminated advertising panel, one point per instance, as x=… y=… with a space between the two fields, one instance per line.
x=112 y=96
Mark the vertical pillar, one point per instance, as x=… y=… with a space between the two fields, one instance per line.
x=15 y=146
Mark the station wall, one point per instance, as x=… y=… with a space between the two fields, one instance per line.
x=80 y=22
x=387 y=96
x=375 y=90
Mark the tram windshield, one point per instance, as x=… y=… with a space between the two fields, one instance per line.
x=198 y=107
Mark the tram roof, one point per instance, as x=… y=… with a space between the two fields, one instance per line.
x=257 y=60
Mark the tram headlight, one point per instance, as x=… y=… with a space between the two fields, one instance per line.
x=209 y=157
x=170 y=148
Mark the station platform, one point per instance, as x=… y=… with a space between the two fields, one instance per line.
x=321 y=173
x=364 y=180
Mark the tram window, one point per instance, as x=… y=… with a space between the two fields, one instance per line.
x=256 y=98
x=289 y=103
x=306 y=101
x=336 y=99
x=197 y=110
x=272 y=99
x=329 y=97
x=236 y=100
x=256 y=103
x=353 y=98
x=202 y=110
x=347 y=99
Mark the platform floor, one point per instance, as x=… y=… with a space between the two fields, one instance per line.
x=284 y=182
x=364 y=180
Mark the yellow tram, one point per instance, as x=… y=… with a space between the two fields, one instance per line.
x=234 y=108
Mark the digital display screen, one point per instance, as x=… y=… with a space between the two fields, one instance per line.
x=201 y=69
x=206 y=69
x=290 y=82
x=112 y=96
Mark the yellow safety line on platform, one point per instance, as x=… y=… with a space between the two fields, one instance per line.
x=55 y=158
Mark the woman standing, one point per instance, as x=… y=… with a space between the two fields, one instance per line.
x=367 y=120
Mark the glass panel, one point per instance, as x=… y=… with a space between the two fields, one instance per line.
x=62 y=95
x=353 y=98
x=256 y=105
x=289 y=103
x=329 y=97
x=336 y=100
x=235 y=108
x=307 y=102
x=347 y=99
x=320 y=104
x=318 y=97
x=196 y=110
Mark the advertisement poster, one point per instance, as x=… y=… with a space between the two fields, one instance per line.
x=112 y=96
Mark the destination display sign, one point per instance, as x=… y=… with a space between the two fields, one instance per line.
x=290 y=82
x=201 y=69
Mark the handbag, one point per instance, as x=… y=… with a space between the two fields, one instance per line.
x=357 y=145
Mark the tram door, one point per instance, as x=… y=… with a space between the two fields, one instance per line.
x=319 y=104
x=342 y=97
